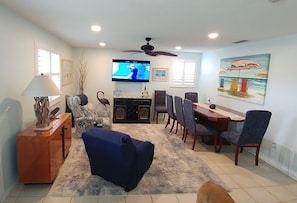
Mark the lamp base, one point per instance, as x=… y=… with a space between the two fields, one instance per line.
x=44 y=128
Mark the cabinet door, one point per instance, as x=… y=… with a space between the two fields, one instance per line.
x=33 y=159
x=67 y=136
x=56 y=152
x=144 y=113
x=119 y=113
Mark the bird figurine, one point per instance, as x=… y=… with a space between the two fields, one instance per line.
x=102 y=100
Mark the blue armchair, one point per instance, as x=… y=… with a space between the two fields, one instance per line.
x=117 y=157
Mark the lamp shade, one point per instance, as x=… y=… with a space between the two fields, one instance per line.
x=41 y=86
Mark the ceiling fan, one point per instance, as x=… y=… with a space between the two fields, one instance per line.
x=149 y=50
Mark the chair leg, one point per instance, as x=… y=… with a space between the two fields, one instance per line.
x=186 y=134
x=236 y=154
x=168 y=122
x=257 y=155
x=172 y=125
x=157 y=117
x=194 y=142
x=176 y=127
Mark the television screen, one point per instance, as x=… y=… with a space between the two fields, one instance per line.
x=130 y=70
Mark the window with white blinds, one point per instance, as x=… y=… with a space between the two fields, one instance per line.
x=49 y=63
x=183 y=74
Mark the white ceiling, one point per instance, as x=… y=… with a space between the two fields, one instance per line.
x=125 y=23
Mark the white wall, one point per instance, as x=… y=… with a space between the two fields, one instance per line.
x=99 y=67
x=17 y=38
x=281 y=96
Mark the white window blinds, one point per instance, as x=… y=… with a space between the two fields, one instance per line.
x=183 y=74
x=49 y=63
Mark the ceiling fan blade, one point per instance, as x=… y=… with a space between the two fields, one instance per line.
x=163 y=53
x=135 y=51
x=151 y=53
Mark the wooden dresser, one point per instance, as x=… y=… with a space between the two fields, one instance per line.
x=41 y=153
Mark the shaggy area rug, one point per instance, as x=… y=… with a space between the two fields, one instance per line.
x=175 y=168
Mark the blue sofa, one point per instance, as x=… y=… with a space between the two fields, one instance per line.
x=117 y=157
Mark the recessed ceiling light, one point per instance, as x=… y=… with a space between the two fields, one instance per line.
x=213 y=35
x=95 y=28
x=178 y=47
x=102 y=44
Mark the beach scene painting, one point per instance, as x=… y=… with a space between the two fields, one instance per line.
x=244 y=78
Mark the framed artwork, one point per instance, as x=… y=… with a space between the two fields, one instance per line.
x=244 y=78
x=67 y=72
x=160 y=74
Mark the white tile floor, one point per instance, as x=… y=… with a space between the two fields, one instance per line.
x=249 y=183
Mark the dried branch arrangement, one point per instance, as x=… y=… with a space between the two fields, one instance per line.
x=82 y=74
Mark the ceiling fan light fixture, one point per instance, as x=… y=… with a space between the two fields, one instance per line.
x=102 y=44
x=148 y=49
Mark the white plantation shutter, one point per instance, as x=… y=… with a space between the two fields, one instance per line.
x=183 y=74
x=49 y=63
x=189 y=74
x=177 y=73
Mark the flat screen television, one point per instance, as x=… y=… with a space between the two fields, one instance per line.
x=130 y=70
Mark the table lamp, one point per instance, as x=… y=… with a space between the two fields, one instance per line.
x=40 y=88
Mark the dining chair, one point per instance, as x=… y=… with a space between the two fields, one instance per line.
x=193 y=96
x=251 y=135
x=178 y=103
x=194 y=128
x=159 y=103
x=170 y=111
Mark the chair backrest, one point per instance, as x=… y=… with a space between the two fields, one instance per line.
x=189 y=116
x=193 y=96
x=178 y=102
x=160 y=98
x=83 y=99
x=169 y=101
x=255 y=126
x=77 y=109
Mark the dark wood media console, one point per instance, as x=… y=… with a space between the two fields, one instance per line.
x=131 y=110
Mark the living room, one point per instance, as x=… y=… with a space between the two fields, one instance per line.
x=17 y=69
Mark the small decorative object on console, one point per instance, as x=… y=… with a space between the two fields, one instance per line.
x=145 y=93
x=54 y=112
x=212 y=106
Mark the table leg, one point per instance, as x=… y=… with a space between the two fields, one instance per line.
x=221 y=125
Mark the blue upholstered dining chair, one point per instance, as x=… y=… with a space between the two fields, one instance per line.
x=194 y=128
x=253 y=131
x=193 y=96
x=159 y=103
x=179 y=112
x=170 y=111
